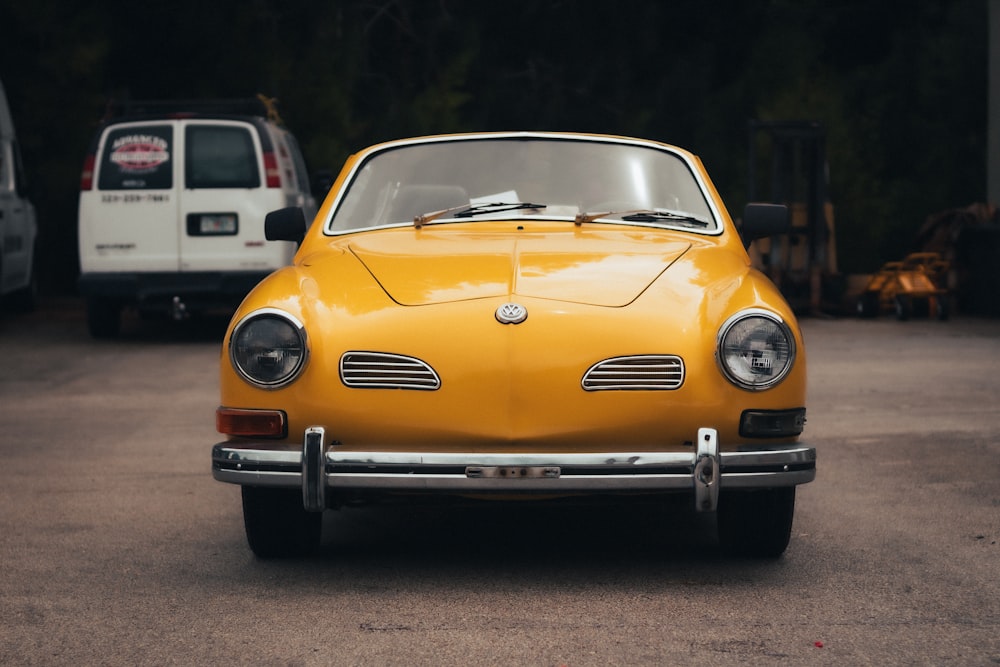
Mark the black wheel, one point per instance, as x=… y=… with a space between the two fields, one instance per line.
x=25 y=300
x=868 y=305
x=277 y=524
x=756 y=524
x=941 y=308
x=104 y=318
x=904 y=307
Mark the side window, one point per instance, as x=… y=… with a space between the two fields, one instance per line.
x=137 y=158
x=219 y=156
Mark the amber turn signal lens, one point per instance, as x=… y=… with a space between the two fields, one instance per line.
x=251 y=423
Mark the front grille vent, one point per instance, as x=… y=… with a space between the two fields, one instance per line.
x=381 y=370
x=651 y=371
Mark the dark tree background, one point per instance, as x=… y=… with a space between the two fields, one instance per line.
x=899 y=86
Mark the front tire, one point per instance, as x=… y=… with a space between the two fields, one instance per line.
x=868 y=305
x=941 y=310
x=104 y=317
x=904 y=307
x=277 y=524
x=756 y=524
x=25 y=300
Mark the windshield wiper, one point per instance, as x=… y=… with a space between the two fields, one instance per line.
x=424 y=218
x=644 y=215
x=669 y=216
x=467 y=211
x=495 y=207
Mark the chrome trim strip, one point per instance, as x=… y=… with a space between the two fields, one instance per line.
x=690 y=160
x=642 y=371
x=254 y=464
x=386 y=370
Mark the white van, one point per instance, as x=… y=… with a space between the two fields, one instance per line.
x=172 y=204
x=18 y=226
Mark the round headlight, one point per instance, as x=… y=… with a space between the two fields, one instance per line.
x=756 y=349
x=268 y=348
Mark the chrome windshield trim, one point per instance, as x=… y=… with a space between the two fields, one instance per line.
x=685 y=156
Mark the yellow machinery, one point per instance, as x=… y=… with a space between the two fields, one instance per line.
x=912 y=286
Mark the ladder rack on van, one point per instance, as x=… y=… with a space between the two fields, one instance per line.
x=261 y=105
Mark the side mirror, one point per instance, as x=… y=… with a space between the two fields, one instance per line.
x=285 y=224
x=761 y=220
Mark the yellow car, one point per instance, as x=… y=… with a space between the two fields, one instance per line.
x=516 y=315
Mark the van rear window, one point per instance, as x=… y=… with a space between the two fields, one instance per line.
x=137 y=158
x=219 y=157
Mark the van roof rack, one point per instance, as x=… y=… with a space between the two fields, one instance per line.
x=261 y=105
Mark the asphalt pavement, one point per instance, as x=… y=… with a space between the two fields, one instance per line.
x=118 y=548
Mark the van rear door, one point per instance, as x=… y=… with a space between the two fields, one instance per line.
x=228 y=188
x=129 y=222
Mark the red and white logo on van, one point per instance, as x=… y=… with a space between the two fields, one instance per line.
x=139 y=152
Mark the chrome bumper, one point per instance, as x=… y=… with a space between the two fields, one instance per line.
x=317 y=468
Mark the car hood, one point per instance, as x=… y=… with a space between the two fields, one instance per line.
x=603 y=268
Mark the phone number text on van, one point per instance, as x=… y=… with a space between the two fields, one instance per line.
x=134 y=198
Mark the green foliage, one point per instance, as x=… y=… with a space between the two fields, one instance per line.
x=900 y=88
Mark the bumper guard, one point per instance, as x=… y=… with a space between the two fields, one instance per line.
x=317 y=469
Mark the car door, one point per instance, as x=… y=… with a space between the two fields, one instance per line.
x=17 y=221
x=129 y=222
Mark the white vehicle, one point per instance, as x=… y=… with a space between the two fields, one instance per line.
x=172 y=206
x=18 y=226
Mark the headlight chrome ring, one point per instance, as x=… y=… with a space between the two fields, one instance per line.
x=268 y=348
x=755 y=349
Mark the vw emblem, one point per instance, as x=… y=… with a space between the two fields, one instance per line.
x=512 y=313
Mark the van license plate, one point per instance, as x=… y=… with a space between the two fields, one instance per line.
x=218 y=224
x=212 y=224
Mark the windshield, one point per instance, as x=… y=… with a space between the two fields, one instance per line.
x=535 y=177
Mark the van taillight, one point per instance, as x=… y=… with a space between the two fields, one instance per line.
x=271 y=172
x=87 y=177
